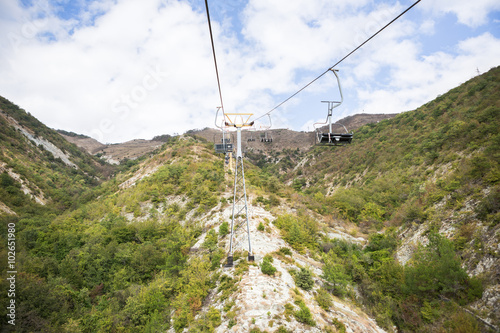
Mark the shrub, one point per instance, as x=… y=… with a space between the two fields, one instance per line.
x=214 y=316
x=282 y=329
x=303 y=279
x=436 y=270
x=261 y=227
x=304 y=314
x=299 y=232
x=224 y=229
x=324 y=299
x=338 y=325
x=266 y=267
x=334 y=272
x=285 y=251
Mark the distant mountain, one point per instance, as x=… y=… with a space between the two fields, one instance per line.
x=281 y=139
x=92 y=146
x=114 y=153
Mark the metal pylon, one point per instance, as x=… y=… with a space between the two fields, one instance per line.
x=240 y=204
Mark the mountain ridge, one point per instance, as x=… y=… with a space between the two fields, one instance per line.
x=283 y=139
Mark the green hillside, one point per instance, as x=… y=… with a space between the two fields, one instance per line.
x=60 y=184
x=396 y=170
x=139 y=249
x=119 y=245
x=435 y=170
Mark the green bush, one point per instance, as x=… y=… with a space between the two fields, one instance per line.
x=303 y=279
x=304 y=315
x=335 y=273
x=323 y=298
x=339 y=325
x=266 y=266
x=282 y=329
x=224 y=229
x=261 y=227
x=436 y=270
x=214 y=316
x=299 y=231
x=285 y=251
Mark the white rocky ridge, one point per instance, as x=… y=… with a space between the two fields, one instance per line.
x=38 y=141
x=260 y=299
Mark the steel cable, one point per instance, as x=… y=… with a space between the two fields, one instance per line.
x=338 y=62
x=215 y=58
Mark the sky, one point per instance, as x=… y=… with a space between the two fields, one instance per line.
x=118 y=70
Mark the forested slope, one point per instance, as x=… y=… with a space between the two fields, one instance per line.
x=431 y=174
x=37 y=165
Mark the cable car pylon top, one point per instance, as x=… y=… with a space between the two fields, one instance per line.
x=333 y=138
x=238 y=120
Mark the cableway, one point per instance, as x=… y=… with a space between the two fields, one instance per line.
x=215 y=58
x=312 y=81
x=338 y=62
x=240 y=120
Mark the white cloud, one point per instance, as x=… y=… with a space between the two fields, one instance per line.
x=76 y=81
x=126 y=69
x=427 y=27
x=471 y=13
x=415 y=80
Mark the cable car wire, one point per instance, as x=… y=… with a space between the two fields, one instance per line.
x=215 y=58
x=338 y=62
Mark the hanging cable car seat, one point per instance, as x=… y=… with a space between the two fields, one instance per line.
x=332 y=138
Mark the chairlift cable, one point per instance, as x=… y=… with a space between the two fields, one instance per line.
x=338 y=62
x=215 y=58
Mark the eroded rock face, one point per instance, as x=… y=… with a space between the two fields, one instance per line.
x=490 y=303
x=260 y=300
x=38 y=141
x=28 y=188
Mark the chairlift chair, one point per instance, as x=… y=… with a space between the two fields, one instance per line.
x=332 y=138
x=251 y=138
x=225 y=146
x=266 y=137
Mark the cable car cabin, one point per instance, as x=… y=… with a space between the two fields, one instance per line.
x=334 y=139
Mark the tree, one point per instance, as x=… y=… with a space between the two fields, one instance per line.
x=304 y=279
x=210 y=242
x=435 y=269
x=334 y=272
x=224 y=229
